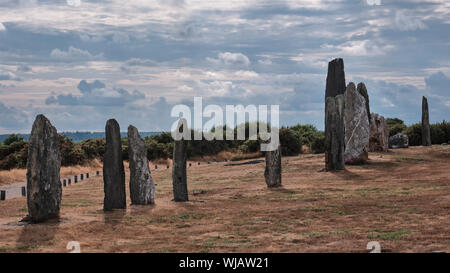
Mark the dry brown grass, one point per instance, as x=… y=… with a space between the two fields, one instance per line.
x=20 y=175
x=400 y=199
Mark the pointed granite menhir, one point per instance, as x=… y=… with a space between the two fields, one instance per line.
x=113 y=171
x=272 y=173
x=426 y=135
x=142 y=186
x=334 y=133
x=335 y=78
x=363 y=91
x=43 y=165
x=179 y=178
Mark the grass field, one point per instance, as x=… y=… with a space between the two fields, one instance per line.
x=401 y=199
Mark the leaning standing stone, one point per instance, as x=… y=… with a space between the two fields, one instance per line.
x=272 y=172
x=426 y=136
x=357 y=129
x=179 y=178
x=335 y=78
x=334 y=133
x=43 y=165
x=142 y=186
x=113 y=171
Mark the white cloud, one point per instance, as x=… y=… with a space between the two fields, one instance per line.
x=214 y=75
x=73 y=54
x=8 y=76
x=2 y=27
x=373 y=2
x=406 y=22
x=265 y=62
x=246 y=74
x=229 y=58
x=74 y=3
x=185 y=88
x=227 y=88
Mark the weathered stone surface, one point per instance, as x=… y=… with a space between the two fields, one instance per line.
x=272 y=172
x=363 y=91
x=335 y=78
x=399 y=141
x=113 y=171
x=179 y=178
x=379 y=134
x=334 y=133
x=357 y=129
x=426 y=136
x=142 y=186
x=43 y=166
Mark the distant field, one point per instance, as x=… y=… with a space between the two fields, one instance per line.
x=80 y=136
x=401 y=199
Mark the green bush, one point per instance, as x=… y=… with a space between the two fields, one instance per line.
x=290 y=141
x=395 y=126
x=71 y=153
x=318 y=144
x=414 y=133
x=93 y=148
x=13 y=138
x=308 y=133
x=156 y=150
x=440 y=133
x=250 y=146
x=396 y=129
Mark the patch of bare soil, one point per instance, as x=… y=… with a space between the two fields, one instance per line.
x=400 y=199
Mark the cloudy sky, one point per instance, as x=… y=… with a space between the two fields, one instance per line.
x=81 y=62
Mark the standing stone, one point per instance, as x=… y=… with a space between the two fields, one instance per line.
x=113 y=171
x=179 y=179
x=357 y=129
x=363 y=91
x=272 y=172
x=142 y=186
x=43 y=166
x=334 y=133
x=379 y=134
x=426 y=136
x=335 y=78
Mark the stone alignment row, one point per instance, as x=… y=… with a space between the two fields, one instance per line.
x=351 y=131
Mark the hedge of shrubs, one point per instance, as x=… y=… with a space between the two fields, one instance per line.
x=440 y=132
x=14 y=150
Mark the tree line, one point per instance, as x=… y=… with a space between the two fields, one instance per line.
x=294 y=140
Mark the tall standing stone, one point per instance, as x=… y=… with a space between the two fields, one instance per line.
x=334 y=133
x=379 y=134
x=142 y=186
x=113 y=171
x=179 y=178
x=426 y=136
x=335 y=78
x=43 y=165
x=363 y=91
x=357 y=128
x=272 y=173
